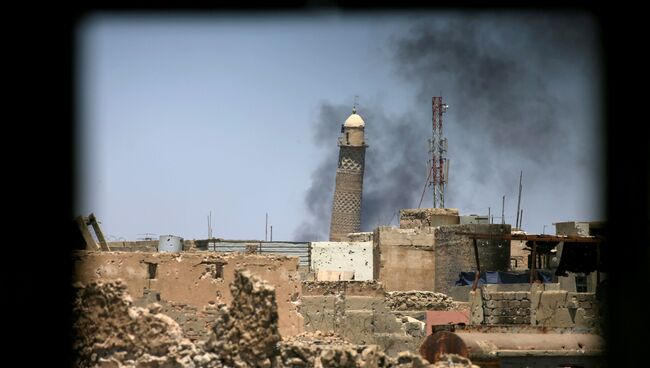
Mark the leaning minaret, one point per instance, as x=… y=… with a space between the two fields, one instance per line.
x=346 y=205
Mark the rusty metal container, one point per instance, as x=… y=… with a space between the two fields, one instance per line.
x=502 y=349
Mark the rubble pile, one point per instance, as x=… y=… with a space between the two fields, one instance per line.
x=454 y=361
x=424 y=217
x=334 y=287
x=246 y=334
x=418 y=300
x=110 y=332
x=318 y=338
x=318 y=349
x=304 y=354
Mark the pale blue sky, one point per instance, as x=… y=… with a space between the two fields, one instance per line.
x=182 y=115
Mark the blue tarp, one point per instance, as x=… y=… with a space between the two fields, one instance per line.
x=501 y=277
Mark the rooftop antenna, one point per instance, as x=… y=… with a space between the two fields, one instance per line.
x=356 y=103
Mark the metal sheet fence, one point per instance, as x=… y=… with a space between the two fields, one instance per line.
x=291 y=249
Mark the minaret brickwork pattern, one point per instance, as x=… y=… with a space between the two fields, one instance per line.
x=346 y=204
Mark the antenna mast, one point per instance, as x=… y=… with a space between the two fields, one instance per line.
x=438 y=150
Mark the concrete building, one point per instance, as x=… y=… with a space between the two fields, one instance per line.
x=346 y=204
x=427 y=252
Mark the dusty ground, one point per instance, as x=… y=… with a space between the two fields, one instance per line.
x=111 y=332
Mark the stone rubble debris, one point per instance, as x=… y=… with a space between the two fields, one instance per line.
x=454 y=361
x=110 y=332
x=419 y=300
x=246 y=333
x=334 y=287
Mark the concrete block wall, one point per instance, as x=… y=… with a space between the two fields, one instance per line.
x=426 y=217
x=356 y=257
x=506 y=307
x=500 y=305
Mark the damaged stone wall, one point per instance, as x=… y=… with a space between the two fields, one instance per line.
x=358 y=237
x=535 y=305
x=502 y=307
x=418 y=301
x=195 y=279
x=363 y=313
x=406 y=258
x=195 y=322
x=427 y=217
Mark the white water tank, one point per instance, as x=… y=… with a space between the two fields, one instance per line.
x=170 y=244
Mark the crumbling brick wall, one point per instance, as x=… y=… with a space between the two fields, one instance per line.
x=418 y=301
x=196 y=323
x=423 y=217
x=195 y=278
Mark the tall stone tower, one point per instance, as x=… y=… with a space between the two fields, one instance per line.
x=346 y=205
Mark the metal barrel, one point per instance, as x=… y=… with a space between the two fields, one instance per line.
x=170 y=244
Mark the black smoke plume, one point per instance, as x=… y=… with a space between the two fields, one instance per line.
x=508 y=80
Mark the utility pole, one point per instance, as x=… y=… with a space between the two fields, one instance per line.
x=517 y=223
x=503 y=213
x=271 y=232
x=210 y=225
